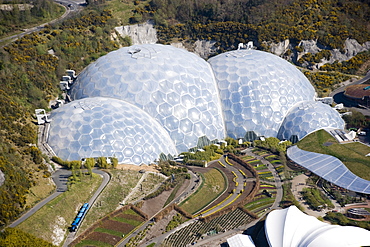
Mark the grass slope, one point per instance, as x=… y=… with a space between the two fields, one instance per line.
x=213 y=185
x=51 y=222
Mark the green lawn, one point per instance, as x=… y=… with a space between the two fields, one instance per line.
x=214 y=184
x=108 y=201
x=351 y=154
x=56 y=216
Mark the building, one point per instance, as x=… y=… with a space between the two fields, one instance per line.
x=290 y=227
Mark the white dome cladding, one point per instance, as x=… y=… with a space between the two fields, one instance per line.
x=106 y=127
x=172 y=85
x=256 y=90
x=307 y=117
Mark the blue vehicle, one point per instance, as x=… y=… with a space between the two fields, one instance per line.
x=80 y=215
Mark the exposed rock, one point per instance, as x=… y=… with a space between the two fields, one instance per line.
x=139 y=33
x=279 y=48
x=204 y=48
x=351 y=49
x=146 y=34
x=2 y=178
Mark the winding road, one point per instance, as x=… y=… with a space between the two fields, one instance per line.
x=71 y=7
x=60 y=178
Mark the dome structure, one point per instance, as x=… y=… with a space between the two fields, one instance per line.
x=174 y=86
x=257 y=90
x=293 y=228
x=307 y=117
x=106 y=127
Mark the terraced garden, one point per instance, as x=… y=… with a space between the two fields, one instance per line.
x=110 y=230
x=263 y=200
x=196 y=230
x=214 y=184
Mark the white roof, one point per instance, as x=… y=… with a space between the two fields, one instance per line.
x=240 y=240
x=292 y=228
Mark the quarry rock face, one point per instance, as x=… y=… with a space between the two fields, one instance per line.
x=2 y=178
x=144 y=33
x=351 y=48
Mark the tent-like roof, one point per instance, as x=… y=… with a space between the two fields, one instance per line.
x=292 y=228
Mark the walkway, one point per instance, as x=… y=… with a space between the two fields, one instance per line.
x=278 y=183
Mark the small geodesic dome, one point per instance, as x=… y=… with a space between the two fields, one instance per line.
x=106 y=127
x=307 y=117
x=256 y=90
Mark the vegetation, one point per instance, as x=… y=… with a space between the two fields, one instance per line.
x=316 y=199
x=177 y=220
x=273 y=144
x=213 y=184
x=356 y=120
x=340 y=219
x=199 y=157
x=45 y=221
x=288 y=197
x=351 y=154
x=122 y=181
x=12 y=237
x=325 y=82
x=235 y=21
x=29 y=75
x=17 y=15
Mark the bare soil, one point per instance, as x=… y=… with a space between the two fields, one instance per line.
x=159 y=227
x=151 y=168
x=131 y=217
x=103 y=237
x=117 y=226
x=154 y=205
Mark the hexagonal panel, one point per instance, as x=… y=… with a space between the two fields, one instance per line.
x=95 y=139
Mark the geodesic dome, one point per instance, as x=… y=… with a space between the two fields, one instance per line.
x=172 y=85
x=256 y=90
x=307 y=117
x=106 y=127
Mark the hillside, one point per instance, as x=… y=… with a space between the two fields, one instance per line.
x=31 y=67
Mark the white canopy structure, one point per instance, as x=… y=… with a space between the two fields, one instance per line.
x=292 y=228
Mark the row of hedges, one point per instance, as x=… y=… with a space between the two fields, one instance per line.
x=244 y=164
x=168 y=209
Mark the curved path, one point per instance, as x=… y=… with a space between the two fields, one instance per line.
x=60 y=178
x=278 y=183
x=220 y=237
x=106 y=179
x=71 y=8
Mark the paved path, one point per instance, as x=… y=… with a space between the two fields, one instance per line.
x=188 y=191
x=270 y=167
x=60 y=179
x=135 y=189
x=106 y=179
x=71 y=6
x=218 y=239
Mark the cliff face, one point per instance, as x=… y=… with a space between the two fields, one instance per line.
x=139 y=33
x=350 y=49
x=146 y=34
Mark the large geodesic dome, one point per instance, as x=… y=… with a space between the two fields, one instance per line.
x=182 y=102
x=256 y=90
x=307 y=117
x=172 y=85
x=106 y=127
